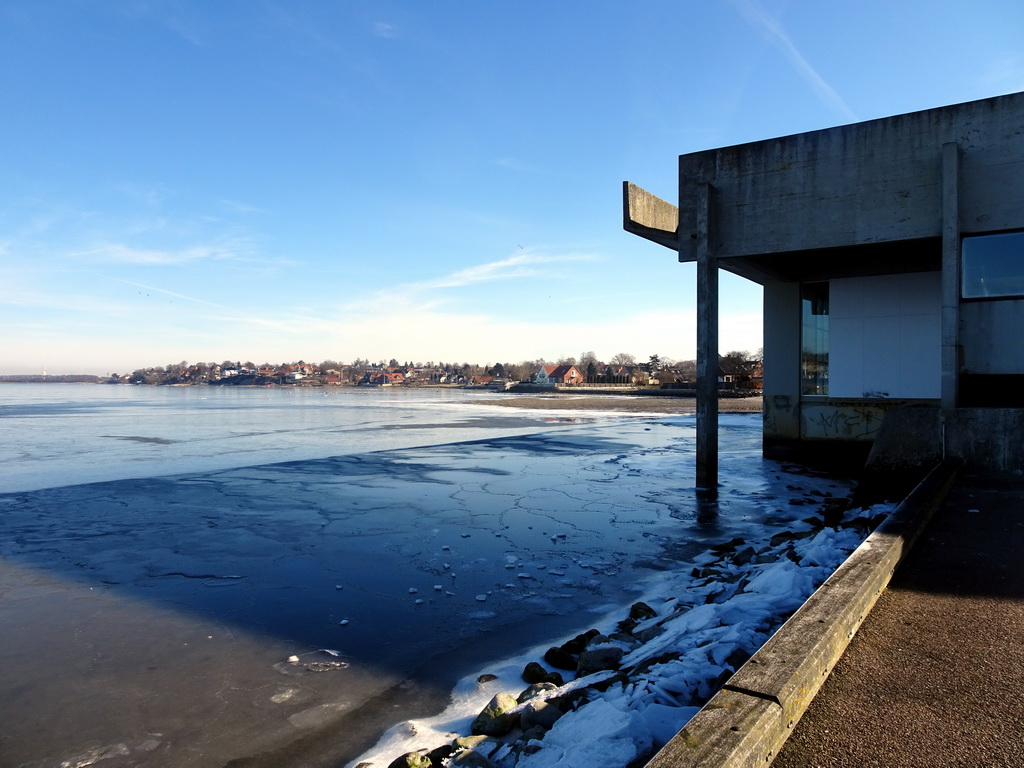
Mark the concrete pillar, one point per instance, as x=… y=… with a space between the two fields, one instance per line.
x=950 y=275
x=707 y=344
x=782 y=371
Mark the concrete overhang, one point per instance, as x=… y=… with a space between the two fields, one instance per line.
x=853 y=200
x=649 y=216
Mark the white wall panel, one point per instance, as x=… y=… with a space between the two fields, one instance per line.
x=884 y=336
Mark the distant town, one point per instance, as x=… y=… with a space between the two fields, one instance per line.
x=740 y=370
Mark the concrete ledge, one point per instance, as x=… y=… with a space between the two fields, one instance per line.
x=748 y=721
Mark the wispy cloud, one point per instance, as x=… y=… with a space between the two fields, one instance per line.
x=432 y=292
x=183 y=297
x=120 y=253
x=776 y=34
x=385 y=30
x=519 y=266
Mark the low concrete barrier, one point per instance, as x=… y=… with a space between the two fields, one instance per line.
x=748 y=721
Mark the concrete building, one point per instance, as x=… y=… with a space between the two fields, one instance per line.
x=891 y=253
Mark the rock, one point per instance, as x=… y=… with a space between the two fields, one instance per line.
x=439 y=755
x=539 y=714
x=485 y=745
x=535 y=691
x=832 y=514
x=729 y=546
x=534 y=673
x=467 y=758
x=737 y=658
x=641 y=611
x=535 y=734
x=486 y=678
x=579 y=642
x=625 y=638
x=646 y=635
x=598 y=639
x=560 y=659
x=599 y=659
x=744 y=556
x=496 y=718
x=411 y=760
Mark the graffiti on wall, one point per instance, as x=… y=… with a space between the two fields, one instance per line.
x=838 y=421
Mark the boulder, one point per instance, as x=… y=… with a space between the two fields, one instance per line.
x=467 y=758
x=534 y=673
x=641 y=611
x=646 y=635
x=411 y=760
x=535 y=691
x=539 y=714
x=599 y=659
x=579 y=642
x=440 y=754
x=560 y=659
x=485 y=745
x=496 y=719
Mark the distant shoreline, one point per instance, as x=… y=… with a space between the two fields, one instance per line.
x=626 y=404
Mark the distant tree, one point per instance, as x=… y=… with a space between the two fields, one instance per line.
x=736 y=363
x=567 y=361
x=623 y=358
x=654 y=364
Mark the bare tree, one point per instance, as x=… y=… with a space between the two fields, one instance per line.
x=623 y=358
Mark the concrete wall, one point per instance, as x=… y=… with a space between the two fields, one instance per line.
x=988 y=440
x=992 y=336
x=885 y=336
x=872 y=182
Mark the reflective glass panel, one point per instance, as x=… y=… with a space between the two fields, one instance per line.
x=993 y=265
x=814 y=339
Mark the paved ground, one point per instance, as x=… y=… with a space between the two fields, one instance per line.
x=935 y=676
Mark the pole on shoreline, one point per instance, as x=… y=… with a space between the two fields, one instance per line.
x=707 y=346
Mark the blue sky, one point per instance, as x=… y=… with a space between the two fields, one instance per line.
x=274 y=181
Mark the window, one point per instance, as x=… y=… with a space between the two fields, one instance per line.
x=992 y=265
x=814 y=339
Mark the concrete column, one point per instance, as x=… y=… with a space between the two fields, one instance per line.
x=707 y=343
x=950 y=275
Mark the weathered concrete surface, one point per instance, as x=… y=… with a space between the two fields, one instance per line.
x=990 y=440
x=649 y=216
x=781 y=679
x=865 y=183
x=933 y=677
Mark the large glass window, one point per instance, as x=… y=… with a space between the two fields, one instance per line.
x=993 y=265
x=814 y=339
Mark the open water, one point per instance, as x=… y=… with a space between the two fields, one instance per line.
x=195 y=576
x=65 y=434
